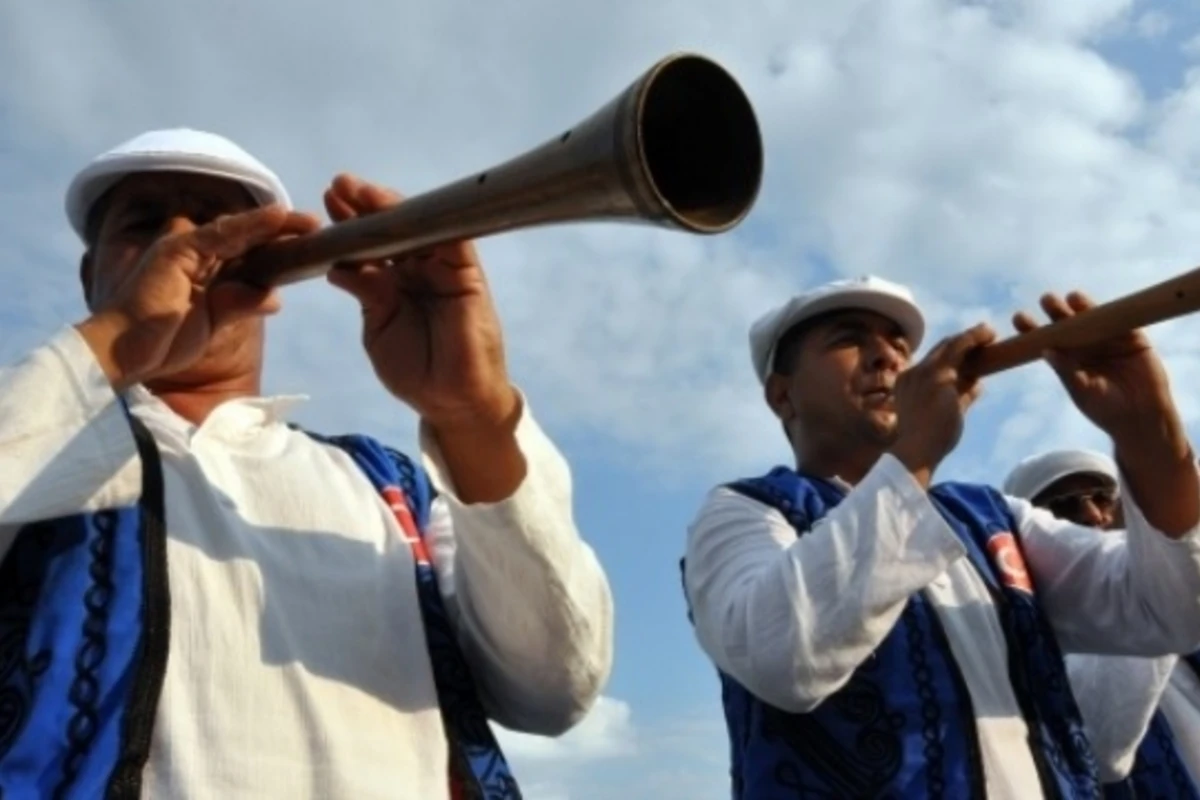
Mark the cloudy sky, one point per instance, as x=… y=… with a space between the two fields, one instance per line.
x=980 y=151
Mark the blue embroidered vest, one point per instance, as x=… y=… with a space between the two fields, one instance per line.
x=84 y=636
x=904 y=726
x=1158 y=770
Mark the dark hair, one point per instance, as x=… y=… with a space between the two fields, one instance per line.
x=95 y=218
x=787 y=349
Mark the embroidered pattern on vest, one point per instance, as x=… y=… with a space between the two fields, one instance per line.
x=20 y=582
x=83 y=644
x=1158 y=770
x=931 y=709
x=84 y=690
x=863 y=771
x=68 y=590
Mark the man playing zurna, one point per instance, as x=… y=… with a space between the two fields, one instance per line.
x=880 y=635
x=199 y=599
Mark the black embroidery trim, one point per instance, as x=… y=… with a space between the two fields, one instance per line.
x=1178 y=777
x=931 y=710
x=862 y=772
x=977 y=777
x=137 y=727
x=84 y=691
x=1145 y=773
x=21 y=576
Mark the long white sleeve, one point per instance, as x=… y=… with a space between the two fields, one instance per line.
x=1117 y=698
x=65 y=442
x=792 y=618
x=531 y=600
x=1133 y=592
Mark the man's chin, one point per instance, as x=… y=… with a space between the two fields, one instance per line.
x=882 y=425
x=232 y=352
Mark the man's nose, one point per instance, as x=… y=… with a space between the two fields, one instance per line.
x=884 y=355
x=1094 y=516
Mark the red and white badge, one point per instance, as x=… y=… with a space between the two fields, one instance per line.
x=1006 y=555
x=404 y=518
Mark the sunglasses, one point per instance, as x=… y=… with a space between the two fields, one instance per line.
x=1072 y=504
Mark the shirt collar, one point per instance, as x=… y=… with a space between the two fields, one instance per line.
x=271 y=409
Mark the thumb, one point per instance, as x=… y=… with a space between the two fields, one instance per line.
x=1066 y=368
x=969 y=394
x=370 y=284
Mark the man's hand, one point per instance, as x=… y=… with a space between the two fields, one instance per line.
x=1121 y=386
x=434 y=339
x=160 y=318
x=1118 y=384
x=932 y=399
x=429 y=325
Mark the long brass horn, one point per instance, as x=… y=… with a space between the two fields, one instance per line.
x=679 y=148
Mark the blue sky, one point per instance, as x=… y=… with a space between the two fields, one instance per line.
x=982 y=152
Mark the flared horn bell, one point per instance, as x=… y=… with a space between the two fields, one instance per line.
x=679 y=148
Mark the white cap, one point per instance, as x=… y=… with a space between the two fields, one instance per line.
x=174 y=150
x=867 y=293
x=1033 y=475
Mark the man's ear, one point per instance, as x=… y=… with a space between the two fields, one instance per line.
x=776 y=393
x=85 y=276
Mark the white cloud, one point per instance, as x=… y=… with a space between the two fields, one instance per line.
x=676 y=758
x=606 y=732
x=1153 y=24
x=553 y=769
x=1191 y=47
x=981 y=151
x=1067 y=19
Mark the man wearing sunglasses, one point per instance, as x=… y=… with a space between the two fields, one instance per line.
x=1144 y=712
x=1076 y=485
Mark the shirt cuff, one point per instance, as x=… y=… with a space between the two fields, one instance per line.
x=546 y=473
x=1137 y=524
x=918 y=527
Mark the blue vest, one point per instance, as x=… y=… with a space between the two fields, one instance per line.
x=1158 y=770
x=85 y=612
x=903 y=726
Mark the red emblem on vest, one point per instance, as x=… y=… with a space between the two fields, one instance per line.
x=1006 y=555
x=404 y=518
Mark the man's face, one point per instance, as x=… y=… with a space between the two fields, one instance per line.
x=137 y=212
x=1085 y=499
x=843 y=369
